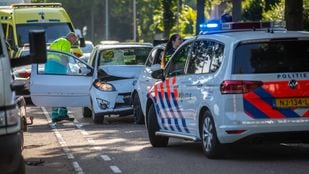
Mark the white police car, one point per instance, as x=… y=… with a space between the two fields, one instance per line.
x=145 y=81
x=103 y=88
x=248 y=82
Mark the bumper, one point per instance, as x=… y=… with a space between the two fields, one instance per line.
x=10 y=152
x=281 y=130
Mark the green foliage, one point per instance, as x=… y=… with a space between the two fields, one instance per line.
x=252 y=10
x=275 y=12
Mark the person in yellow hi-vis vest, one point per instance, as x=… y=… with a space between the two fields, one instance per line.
x=57 y=65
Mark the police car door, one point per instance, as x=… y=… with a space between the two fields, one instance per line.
x=172 y=92
x=63 y=80
x=145 y=81
x=205 y=61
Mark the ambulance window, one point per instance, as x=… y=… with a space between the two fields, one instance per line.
x=206 y=57
x=177 y=63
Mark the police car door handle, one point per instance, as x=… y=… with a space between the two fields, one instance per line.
x=175 y=86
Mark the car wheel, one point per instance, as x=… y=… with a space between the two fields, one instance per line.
x=21 y=167
x=211 y=145
x=87 y=112
x=97 y=118
x=137 y=110
x=153 y=127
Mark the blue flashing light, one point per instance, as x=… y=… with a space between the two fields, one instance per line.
x=211 y=25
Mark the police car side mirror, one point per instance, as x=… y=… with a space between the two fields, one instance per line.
x=158 y=74
x=37 y=50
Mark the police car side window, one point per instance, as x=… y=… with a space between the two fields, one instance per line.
x=206 y=57
x=177 y=63
x=150 y=58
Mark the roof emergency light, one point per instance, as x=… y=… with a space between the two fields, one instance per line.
x=216 y=25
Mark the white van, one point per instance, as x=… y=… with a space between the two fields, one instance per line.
x=12 y=109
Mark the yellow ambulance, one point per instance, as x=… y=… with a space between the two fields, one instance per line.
x=18 y=19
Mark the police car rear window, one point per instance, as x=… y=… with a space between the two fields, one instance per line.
x=271 y=57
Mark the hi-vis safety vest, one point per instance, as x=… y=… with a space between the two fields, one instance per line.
x=54 y=64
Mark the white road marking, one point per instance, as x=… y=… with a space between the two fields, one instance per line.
x=62 y=143
x=115 y=169
x=77 y=168
x=106 y=157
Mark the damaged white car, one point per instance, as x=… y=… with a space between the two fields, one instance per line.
x=102 y=87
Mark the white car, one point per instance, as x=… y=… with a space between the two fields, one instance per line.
x=238 y=85
x=103 y=88
x=144 y=82
x=87 y=49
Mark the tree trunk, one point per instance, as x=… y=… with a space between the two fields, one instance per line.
x=200 y=6
x=294 y=14
x=236 y=11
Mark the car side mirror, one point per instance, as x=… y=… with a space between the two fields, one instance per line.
x=158 y=74
x=37 y=50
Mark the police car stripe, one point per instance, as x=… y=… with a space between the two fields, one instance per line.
x=172 y=113
x=306 y=114
x=163 y=110
x=253 y=111
x=162 y=125
x=180 y=114
x=268 y=98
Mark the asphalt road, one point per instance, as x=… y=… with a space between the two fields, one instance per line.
x=120 y=146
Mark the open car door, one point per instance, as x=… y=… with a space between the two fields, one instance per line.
x=63 y=80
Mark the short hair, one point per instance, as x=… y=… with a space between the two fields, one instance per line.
x=71 y=35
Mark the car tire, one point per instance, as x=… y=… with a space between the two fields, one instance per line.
x=211 y=146
x=21 y=169
x=153 y=127
x=97 y=118
x=87 y=112
x=137 y=110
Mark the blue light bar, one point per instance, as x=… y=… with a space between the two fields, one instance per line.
x=211 y=25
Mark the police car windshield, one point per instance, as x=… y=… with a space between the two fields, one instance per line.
x=52 y=31
x=272 y=57
x=124 y=56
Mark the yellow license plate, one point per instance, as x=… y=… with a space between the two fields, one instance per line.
x=292 y=102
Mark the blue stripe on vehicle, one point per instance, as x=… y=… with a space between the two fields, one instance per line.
x=159 y=113
x=169 y=121
x=180 y=114
x=269 y=99
x=255 y=112
x=172 y=112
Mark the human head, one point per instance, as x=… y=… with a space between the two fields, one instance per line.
x=71 y=37
x=174 y=41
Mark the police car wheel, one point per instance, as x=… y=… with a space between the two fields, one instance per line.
x=211 y=144
x=137 y=110
x=156 y=141
x=21 y=169
x=87 y=112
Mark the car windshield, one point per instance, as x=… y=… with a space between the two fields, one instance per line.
x=124 y=56
x=88 y=48
x=52 y=31
x=272 y=57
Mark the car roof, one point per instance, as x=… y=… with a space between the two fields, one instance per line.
x=123 y=45
x=254 y=35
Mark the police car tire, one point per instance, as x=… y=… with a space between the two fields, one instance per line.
x=87 y=112
x=137 y=110
x=155 y=140
x=214 y=148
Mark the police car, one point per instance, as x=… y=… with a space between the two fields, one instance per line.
x=145 y=81
x=248 y=81
x=102 y=87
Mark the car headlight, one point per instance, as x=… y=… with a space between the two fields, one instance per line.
x=103 y=86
